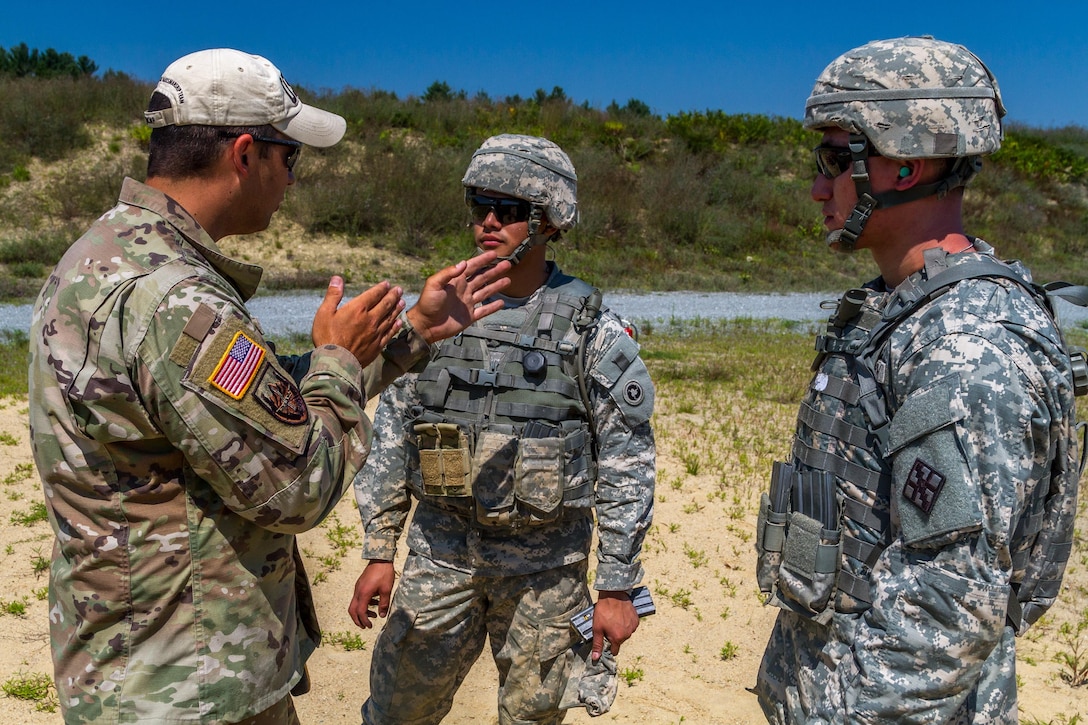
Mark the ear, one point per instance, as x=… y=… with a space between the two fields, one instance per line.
x=908 y=173
x=239 y=151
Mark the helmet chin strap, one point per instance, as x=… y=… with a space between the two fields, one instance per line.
x=536 y=216
x=845 y=240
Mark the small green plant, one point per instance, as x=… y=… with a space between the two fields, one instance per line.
x=728 y=651
x=348 y=641
x=697 y=557
x=1073 y=657
x=20 y=173
x=8 y=439
x=29 y=518
x=33 y=687
x=21 y=472
x=16 y=607
x=631 y=675
x=39 y=563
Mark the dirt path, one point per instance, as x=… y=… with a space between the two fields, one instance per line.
x=689 y=663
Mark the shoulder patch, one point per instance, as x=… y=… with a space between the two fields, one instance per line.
x=281 y=397
x=238 y=366
x=633 y=393
x=923 y=485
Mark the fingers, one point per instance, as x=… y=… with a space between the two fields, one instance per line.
x=358 y=612
x=322 y=325
x=598 y=645
x=482 y=311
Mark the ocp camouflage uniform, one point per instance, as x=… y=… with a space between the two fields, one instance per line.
x=913 y=628
x=179 y=457
x=465 y=581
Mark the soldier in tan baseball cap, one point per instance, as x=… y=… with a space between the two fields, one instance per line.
x=179 y=454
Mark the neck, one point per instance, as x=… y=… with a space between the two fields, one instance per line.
x=529 y=274
x=207 y=199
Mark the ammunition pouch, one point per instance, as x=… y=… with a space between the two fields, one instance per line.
x=503 y=480
x=799 y=556
x=443 y=459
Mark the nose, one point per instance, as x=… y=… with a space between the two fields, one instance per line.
x=821 y=188
x=492 y=220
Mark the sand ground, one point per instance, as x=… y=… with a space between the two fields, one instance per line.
x=689 y=663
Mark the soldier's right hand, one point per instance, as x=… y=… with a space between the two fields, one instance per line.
x=363 y=325
x=373 y=588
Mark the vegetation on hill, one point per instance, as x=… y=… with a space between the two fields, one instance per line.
x=700 y=200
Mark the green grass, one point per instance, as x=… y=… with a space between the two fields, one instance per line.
x=33 y=687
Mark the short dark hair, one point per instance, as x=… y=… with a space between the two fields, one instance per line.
x=179 y=152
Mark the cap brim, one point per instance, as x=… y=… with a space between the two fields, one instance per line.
x=314 y=127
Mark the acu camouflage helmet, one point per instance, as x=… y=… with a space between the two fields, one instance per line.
x=913 y=98
x=529 y=168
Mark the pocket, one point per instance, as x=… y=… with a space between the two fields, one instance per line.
x=538 y=477
x=770 y=537
x=492 y=477
x=443 y=459
x=809 y=571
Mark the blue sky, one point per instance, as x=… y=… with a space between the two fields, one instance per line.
x=750 y=57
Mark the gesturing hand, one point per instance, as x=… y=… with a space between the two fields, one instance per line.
x=363 y=325
x=448 y=302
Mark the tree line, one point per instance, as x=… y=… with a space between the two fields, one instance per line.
x=22 y=61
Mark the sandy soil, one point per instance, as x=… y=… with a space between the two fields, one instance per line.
x=689 y=663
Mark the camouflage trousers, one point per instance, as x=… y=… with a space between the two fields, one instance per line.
x=437 y=625
x=808 y=675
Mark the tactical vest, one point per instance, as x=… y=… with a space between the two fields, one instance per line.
x=504 y=435
x=826 y=518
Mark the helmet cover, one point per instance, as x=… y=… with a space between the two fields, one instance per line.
x=529 y=168
x=912 y=97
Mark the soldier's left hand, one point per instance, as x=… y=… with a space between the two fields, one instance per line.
x=614 y=618
x=448 y=302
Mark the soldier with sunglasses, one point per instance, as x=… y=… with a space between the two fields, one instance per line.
x=925 y=514
x=516 y=434
x=180 y=455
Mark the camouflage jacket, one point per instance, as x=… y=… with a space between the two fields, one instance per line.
x=623 y=494
x=980 y=400
x=179 y=457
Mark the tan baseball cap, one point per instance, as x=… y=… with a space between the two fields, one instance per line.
x=225 y=87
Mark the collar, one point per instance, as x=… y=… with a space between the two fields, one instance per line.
x=244 y=276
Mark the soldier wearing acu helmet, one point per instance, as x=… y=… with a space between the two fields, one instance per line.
x=510 y=439
x=925 y=515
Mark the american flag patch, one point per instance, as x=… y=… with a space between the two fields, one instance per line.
x=238 y=367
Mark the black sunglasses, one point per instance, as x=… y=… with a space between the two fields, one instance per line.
x=292 y=155
x=507 y=211
x=831 y=161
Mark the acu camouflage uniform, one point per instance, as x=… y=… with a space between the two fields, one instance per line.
x=519 y=586
x=937 y=513
x=179 y=457
x=932 y=486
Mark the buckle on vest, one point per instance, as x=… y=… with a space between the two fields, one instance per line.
x=486 y=378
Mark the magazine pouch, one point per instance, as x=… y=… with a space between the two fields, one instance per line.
x=443 y=459
x=493 y=479
x=810 y=564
